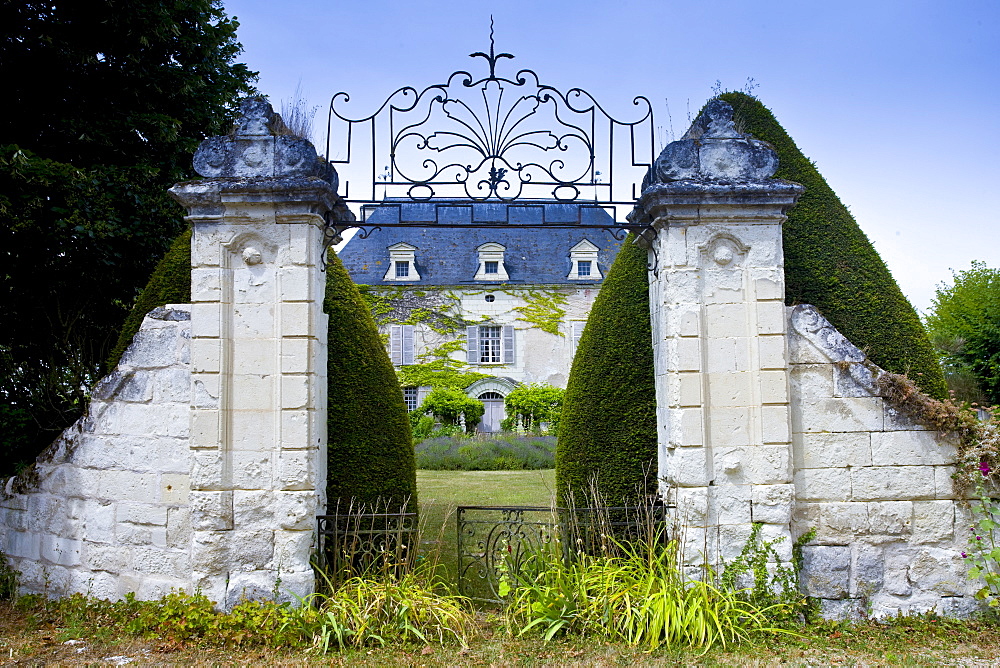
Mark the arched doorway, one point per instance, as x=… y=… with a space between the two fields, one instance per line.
x=494 y=413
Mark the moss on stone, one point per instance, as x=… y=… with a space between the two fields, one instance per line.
x=831 y=264
x=370 y=447
x=608 y=427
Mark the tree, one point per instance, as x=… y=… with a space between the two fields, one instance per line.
x=370 y=457
x=450 y=406
x=532 y=404
x=105 y=103
x=964 y=325
x=607 y=433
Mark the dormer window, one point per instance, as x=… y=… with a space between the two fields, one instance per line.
x=402 y=263
x=583 y=262
x=491 y=266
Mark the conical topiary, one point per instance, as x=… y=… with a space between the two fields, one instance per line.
x=607 y=433
x=370 y=457
x=831 y=264
x=170 y=283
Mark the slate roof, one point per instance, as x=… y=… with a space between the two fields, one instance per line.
x=447 y=256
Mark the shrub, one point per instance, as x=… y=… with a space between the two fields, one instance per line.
x=608 y=425
x=502 y=452
x=830 y=263
x=370 y=446
x=532 y=404
x=450 y=405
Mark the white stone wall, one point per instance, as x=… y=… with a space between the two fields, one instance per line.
x=105 y=509
x=876 y=487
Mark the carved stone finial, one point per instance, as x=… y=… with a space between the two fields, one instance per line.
x=713 y=150
x=260 y=146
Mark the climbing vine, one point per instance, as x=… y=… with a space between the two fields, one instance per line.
x=544 y=308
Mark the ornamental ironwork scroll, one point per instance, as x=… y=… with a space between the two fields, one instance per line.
x=493 y=138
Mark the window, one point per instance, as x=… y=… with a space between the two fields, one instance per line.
x=490 y=344
x=491 y=267
x=576 y=331
x=583 y=262
x=410 y=397
x=401 y=344
x=402 y=263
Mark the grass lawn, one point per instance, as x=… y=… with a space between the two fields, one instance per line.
x=440 y=492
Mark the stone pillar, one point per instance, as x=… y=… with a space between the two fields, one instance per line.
x=258 y=357
x=717 y=309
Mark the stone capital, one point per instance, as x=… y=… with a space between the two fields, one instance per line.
x=690 y=202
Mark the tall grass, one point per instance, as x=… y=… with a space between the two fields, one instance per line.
x=501 y=452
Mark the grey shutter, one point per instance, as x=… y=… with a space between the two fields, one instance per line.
x=508 y=344
x=407 y=344
x=472 y=343
x=396 y=344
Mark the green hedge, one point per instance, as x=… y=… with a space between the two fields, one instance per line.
x=370 y=456
x=170 y=283
x=831 y=264
x=608 y=427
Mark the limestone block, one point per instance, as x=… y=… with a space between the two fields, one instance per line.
x=773 y=387
x=771 y=317
x=842 y=609
x=827 y=484
x=142 y=513
x=172 y=386
x=22 y=544
x=891 y=518
x=730 y=389
x=253 y=509
x=211 y=511
x=769 y=287
x=206 y=355
x=13 y=520
x=172 y=420
x=771 y=352
x=692 y=506
x=152 y=348
x=252 y=430
x=253 y=321
x=295 y=285
x=304 y=244
x=727 y=355
x=730 y=426
x=944 y=483
x=46 y=513
x=824 y=450
x=933 y=521
x=867 y=570
x=888 y=483
x=207 y=471
x=137 y=387
x=152 y=589
x=295 y=586
x=295 y=511
x=210 y=553
x=257 y=585
x=293 y=550
x=253 y=392
x=894 y=448
x=255 y=550
x=841 y=523
x=732 y=539
x=731 y=503
x=295 y=431
x=296 y=319
x=840 y=414
x=684 y=319
x=723 y=287
x=96 y=585
x=689 y=427
x=853 y=380
x=174 y=488
x=295 y=391
x=757 y=465
x=726 y=320
x=128 y=485
x=826 y=571
x=296 y=469
x=780 y=537
x=295 y=354
x=179 y=529
x=61 y=551
x=772 y=503
x=937 y=570
x=689 y=467
x=206 y=284
x=254 y=284
x=149 y=560
x=810 y=383
x=206 y=320
x=204 y=390
x=689 y=390
x=687 y=354
x=253 y=356
x=252 y=469
x=958 y=606
x=699 y=545
x=127 y=533
x=776 y=424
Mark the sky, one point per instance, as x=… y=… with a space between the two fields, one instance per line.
x=895 y=101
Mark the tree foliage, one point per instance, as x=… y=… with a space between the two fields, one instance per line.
x=451 y=405
x=532 y=404
x=105 y=103
x=607 y=433
x=831 y=264
x=964 y=325
x=370 y=456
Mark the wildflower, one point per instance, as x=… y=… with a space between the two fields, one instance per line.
x=965 y=556
x=984 y=468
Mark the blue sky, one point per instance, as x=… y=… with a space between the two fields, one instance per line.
x=895 y=101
